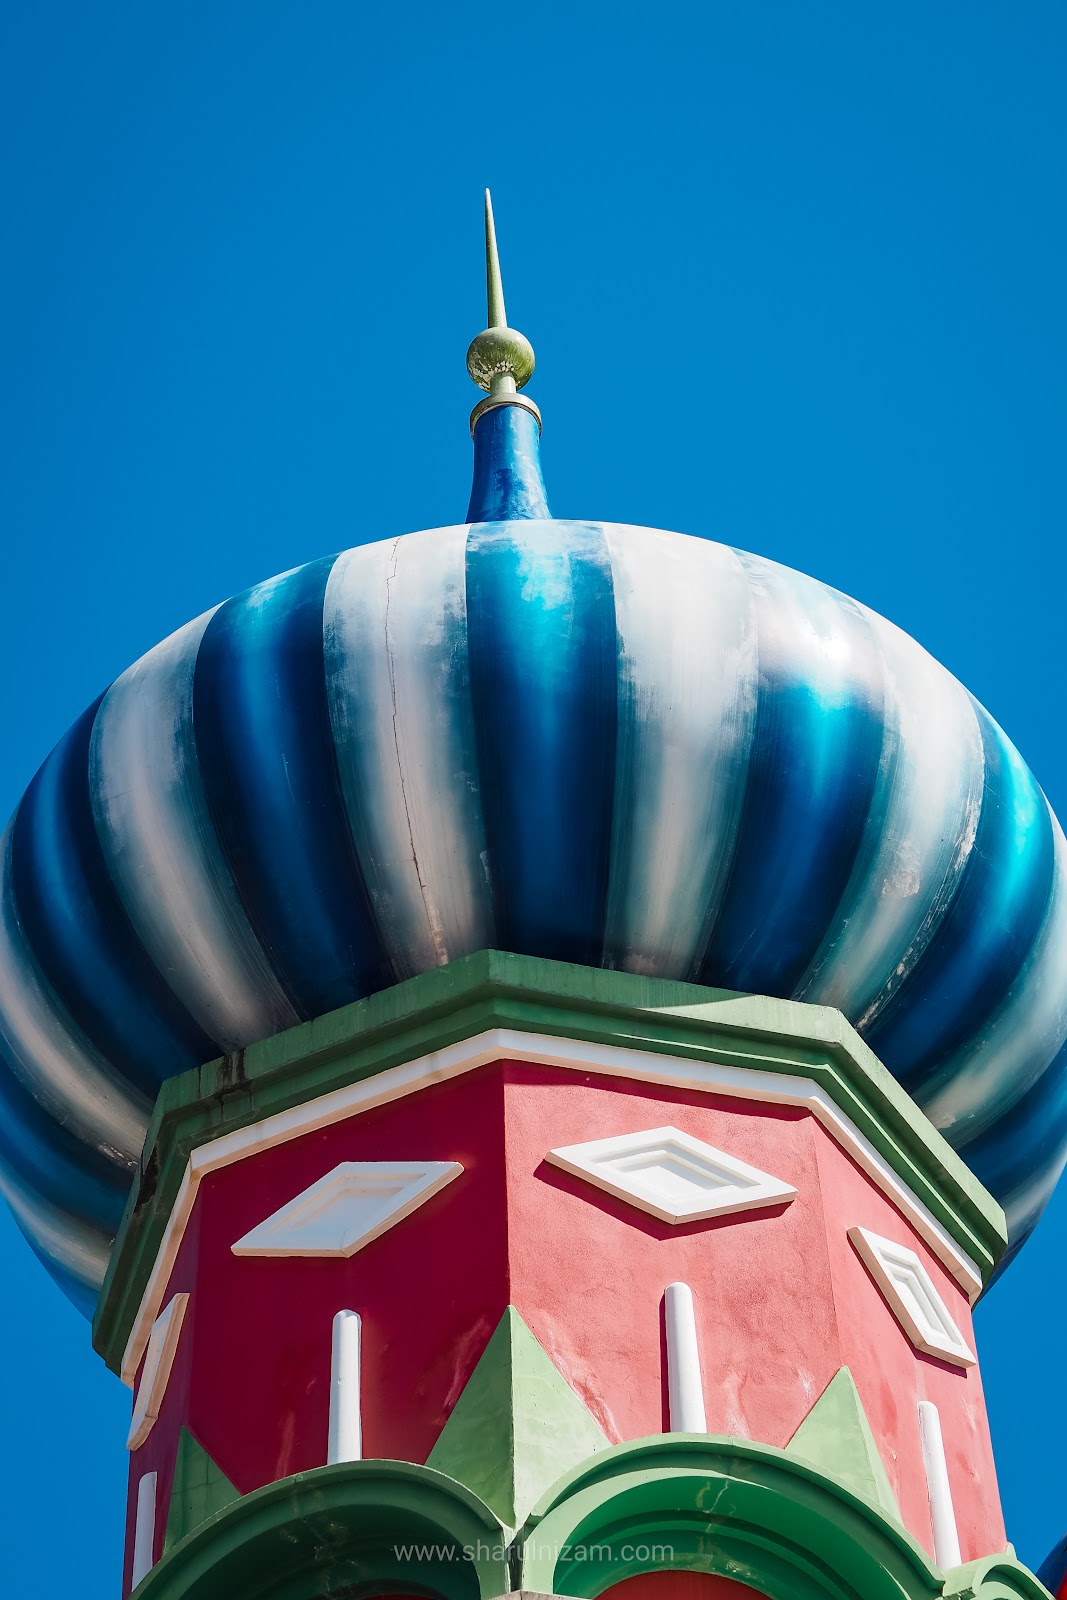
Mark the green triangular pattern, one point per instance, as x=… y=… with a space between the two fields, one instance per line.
x=517 y=1426
x=200 y=1488
x=836 y=1437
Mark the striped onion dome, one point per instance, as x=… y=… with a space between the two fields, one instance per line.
x=605 y=744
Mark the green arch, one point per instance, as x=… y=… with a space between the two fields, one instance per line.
x=349 y=1527
x=730 y=1507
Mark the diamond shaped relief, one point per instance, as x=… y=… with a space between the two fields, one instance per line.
x=672 y=1175
x=912 y=1296
x=355 y=1203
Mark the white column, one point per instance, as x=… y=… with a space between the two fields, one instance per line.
x=346 y=1434
x=144 y=1529
x=685 y=1386
x=942 y=1515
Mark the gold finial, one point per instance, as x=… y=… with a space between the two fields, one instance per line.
x=500 y=359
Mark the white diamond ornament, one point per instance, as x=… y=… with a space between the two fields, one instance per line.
x=911 y=1295
x=672 y=1175
x=357 y=1202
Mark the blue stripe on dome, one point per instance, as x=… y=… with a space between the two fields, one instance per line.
x=79 y=932
x=53 y=1162
x=83 y=1296
x=988 y=929
x=267 y=760
x=812 y=770
x=1020 y=1158
x=542 y=645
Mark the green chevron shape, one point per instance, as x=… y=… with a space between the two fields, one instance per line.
x=836 y=1437
x=200 y=1488
x=517 y=1426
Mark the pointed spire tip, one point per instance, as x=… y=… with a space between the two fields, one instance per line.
x=494 y=288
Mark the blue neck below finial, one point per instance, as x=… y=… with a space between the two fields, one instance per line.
x=508 y=486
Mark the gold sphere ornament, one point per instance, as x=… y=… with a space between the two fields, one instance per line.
x=500 y=352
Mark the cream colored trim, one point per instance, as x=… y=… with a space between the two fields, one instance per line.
x=644 y=1066
x=162 y=1348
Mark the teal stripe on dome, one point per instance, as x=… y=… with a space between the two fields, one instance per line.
x=1017 y=1042
x=811 y=776
x=542 y=644
x=1021 y=1157
x=988 y=931
x=918 y=834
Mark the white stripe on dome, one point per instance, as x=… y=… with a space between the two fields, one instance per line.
x=395 y=632
x=687 y=701
x=68 y=1240
x=163 y=854
x=920 y=831
x=988 y=1074
x=49 y=1054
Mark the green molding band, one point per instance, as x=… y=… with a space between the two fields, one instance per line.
x=366 y=1525
x=680 y=1502
x=738 y=1510
x=496 y=990
x=994 y=1578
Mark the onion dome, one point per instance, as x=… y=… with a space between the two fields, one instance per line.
x=603 y=744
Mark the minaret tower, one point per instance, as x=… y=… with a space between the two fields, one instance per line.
x=529 y=1039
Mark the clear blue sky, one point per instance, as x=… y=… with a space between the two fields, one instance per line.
x=795 y=278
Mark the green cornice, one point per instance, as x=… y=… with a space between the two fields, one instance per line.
x=496 y=990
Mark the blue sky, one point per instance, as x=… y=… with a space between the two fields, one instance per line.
x=794 y=275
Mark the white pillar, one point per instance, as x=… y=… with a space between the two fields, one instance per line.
x=685 y=1386
x=346 y=1434
x=144 y=1529
x=942 y=1515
